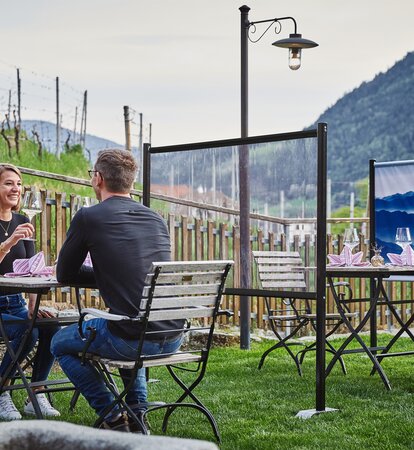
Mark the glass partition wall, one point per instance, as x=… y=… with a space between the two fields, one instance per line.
x=287 y=175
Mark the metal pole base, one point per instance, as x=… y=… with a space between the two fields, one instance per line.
x=308 y=413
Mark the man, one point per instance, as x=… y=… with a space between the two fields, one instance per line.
x=123 y=238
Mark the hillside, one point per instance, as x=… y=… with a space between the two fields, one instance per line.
x=70 y=163
x=47 y=131
x=374 y=121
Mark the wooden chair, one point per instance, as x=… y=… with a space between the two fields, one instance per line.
x=174 y=290
x=284 y=271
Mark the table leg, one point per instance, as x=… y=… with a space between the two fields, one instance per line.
x=15 y=358
x=354 y=333
x=404 y=327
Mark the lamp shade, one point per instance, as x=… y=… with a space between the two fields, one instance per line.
x=295 y=41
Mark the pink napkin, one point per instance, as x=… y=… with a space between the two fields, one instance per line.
x=30 y=267
x=346 y=258
x=406 y=258
x=88 y=260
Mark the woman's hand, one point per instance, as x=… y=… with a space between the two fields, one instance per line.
x=24 y=230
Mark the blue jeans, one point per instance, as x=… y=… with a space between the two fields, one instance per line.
x=13 y=307
x=67 y=344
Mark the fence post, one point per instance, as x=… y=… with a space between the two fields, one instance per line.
x=236 y=271
x=210 y=240
x=171 y=229
x=184 y=238
x=223 y=242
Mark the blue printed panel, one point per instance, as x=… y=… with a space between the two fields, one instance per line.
x=394 y=203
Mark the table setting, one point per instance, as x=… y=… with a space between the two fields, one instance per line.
x=351 y=240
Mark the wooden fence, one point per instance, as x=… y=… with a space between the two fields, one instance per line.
x=205 y=240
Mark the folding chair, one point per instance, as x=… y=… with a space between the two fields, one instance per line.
x=284 y=271
x=174 y=290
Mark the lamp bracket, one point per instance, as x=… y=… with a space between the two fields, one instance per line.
x=278 y=27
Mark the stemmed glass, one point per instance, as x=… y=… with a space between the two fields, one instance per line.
x=32 y=205
x=403 y=239
x=77 y=205
x=351 y=239
x=80 y=202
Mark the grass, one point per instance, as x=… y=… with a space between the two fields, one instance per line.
x=256 y=409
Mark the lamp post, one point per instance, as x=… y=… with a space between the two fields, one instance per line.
x=295 y=43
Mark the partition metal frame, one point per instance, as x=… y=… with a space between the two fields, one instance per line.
x=245 y=292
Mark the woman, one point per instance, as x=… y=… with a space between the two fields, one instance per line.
x=14 y=228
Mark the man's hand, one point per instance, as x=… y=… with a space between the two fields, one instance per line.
x=42 y=312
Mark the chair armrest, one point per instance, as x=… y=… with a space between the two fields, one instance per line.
x=101 y=315
x=340 y=283
x=104 y=314
x=225 y=312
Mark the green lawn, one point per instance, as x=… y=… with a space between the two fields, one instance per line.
x=256 y=409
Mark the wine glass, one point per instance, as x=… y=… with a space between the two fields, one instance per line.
x=80 y=202
x=403 y=237
x=351 y=239
x=32 y=205
x=76 y=205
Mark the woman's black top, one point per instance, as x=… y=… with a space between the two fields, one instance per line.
x=23 y=249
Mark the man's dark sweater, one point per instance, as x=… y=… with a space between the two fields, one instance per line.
x=123 y=238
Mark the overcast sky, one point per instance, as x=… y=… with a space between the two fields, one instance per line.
x=178 y=62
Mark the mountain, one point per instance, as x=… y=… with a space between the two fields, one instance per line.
x=47 y=133
x=396 y=202
x=374 y=121
x=386 y=224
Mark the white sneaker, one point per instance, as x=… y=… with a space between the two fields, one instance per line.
x=45 y=407
x=7 y=409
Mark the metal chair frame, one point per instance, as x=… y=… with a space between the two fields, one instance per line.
x=189 y=290
x=284 y=270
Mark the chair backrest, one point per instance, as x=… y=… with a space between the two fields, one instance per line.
x=184 y=290
x=280 y=270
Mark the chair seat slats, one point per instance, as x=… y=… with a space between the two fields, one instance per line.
x=283 y=317
x=173 y=359
x=177 y=358
x=330 y=316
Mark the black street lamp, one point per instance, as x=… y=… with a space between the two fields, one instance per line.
x=294 y=43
